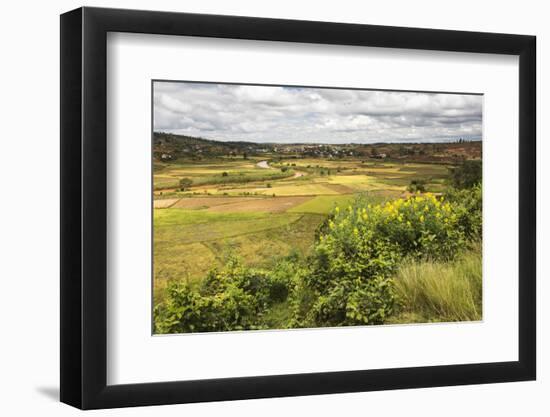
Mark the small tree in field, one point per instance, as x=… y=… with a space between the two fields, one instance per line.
x=185 y=183
x=417 y=185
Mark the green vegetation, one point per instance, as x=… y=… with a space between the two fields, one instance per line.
x=250 y=236
x=466 y=175
x=234 y=298
x=185 y=183
x=323 y=204
x=439 y=291
x=188 y=243
x=240 y=177
x=371 y=264
x=417 y=186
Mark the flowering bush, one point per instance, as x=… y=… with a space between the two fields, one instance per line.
x=358 y=252
x=420 y=226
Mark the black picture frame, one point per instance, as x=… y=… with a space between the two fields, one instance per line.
x=84 y=207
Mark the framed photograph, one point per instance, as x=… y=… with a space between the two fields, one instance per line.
x=256 y=208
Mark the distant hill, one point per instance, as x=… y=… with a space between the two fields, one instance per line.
x=168 y=147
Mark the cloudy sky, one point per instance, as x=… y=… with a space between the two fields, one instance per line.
x=292 y=114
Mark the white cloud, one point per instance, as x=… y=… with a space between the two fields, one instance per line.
x=293 y=114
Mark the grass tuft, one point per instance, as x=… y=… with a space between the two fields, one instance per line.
x=436 y=291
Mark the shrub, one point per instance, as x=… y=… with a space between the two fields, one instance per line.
x=357 y=253
x=235 y=298
x=282 y=278
x=421 y=226
x=417 y=185
x=466 y=175
x=468 y=209
x=185 y=183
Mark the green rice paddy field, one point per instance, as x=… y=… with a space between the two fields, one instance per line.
x=260 y=209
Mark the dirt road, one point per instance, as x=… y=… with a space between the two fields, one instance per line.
x=265 y=165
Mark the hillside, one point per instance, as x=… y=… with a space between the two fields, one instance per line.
x=169 y=147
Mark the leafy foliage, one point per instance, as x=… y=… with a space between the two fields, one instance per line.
x=185 y=183
x=468 y=210
x=466 y=175
x=234 y=298
x=417 y=185
x=354 y=261
x=349 y=278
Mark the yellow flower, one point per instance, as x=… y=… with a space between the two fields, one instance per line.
x=337 y=209
x=355 y=231
x=422 y=218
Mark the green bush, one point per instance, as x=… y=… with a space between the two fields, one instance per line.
x=466 y=175
x=357 y=254
x=234 y=298
x=185 y=183
x=420 y=226
x=468 y=209
x=417 y=185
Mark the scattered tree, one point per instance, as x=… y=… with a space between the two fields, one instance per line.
x=185 y=183
x=417 y=185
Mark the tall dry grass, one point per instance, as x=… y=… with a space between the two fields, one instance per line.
x=438 y=291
